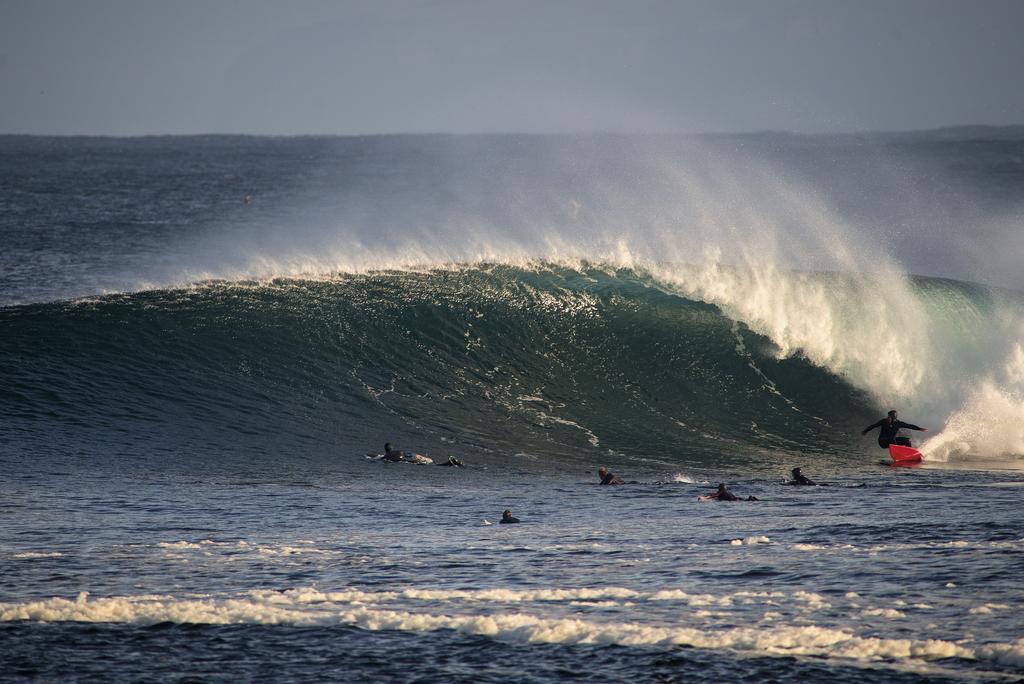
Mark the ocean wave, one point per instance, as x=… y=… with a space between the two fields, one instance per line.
x=706 y=364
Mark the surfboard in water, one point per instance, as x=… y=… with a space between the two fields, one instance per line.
x=416 y=459
x=904 y=455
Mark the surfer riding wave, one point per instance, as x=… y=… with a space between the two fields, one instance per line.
x=890 y=431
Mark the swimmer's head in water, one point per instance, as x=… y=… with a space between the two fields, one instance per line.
x=602 y=471
x=387 y=447
x=892 y=414
x=796 y=471
x=721 y=486
x=506 y=513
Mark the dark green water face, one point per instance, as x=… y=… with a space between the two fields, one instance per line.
x=551 y=367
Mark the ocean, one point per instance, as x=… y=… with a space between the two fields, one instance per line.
x=206 y=341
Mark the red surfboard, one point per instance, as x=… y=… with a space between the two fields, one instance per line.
x=904 y=455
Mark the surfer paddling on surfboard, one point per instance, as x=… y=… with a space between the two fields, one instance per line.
x=609 y=478
x=392 y=455
x=890 y=431
x=801 y=479
x=396 y=456
x=723 y=494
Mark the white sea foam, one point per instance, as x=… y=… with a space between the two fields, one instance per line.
x=516 y=596
x=750 y=541
x=813 y=601
x=989 y=608
x=588 y=546
x=308 y=596
x=362 y=609
x=808 y=547
x=886 y=548
x=691 y=599
x=890 y=613
x=29 y=555
x=182 y=545
x=596 y=604
x=210 y=547
x=1011 y=654
x=989 y=424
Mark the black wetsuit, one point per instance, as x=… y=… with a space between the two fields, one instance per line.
x=611 y=479
x=801 y=479
x=509 y=519
x=889 y=430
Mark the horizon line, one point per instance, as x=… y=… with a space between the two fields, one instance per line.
x=963 y=128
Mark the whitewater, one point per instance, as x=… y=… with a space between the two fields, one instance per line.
x=203 y=338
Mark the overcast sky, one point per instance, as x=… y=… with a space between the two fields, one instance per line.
x=129 y=67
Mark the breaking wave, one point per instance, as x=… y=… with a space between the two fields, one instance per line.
x=703 y=363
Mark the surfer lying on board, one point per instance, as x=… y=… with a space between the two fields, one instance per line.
x=723 y=494
x=393 y=455
x=396 y=456
x=890 y=432
x=609 y=478
x=801 y=479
